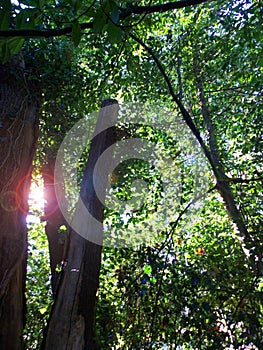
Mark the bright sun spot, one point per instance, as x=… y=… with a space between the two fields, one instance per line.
x=36 y=202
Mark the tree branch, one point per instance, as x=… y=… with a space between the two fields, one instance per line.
x=124 y=14
x=38 y=33
x=186 y=116
x=138 y=10
x=218 y=170
x=238 y=180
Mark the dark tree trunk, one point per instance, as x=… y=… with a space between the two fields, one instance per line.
x=72 y=322
x=57 y=239
x=18 y=138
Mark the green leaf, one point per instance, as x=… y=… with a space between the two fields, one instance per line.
x=26 y=19
x=99 y=22
x=5 y=20
x=147 y=270
x=42 y=310
x=153 y=280
x=7 y=6
x=35 y=3
x=15 y=44
x=5 y=53
x=115 y=33
x=76 y=5
x=76 y=33
x=114 y=11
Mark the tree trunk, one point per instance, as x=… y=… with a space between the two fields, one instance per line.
x=57 y=238
x=18 y=137
x=72 y=322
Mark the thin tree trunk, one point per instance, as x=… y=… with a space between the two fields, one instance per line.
x=72 y=323
x=18 y=138
x=223 y=184
x=57 y=239
x=213 y=156
x=222 y=180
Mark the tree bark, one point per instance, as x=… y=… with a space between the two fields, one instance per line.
x=18 y=138
x=72 y=322
x=57 y=240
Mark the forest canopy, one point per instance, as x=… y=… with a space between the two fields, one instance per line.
x=138 y=127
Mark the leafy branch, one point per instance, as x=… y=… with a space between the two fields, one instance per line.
x=186 y=116
x=124 y=13
x=212 y=154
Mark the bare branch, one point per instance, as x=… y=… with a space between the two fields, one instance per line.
x=138 y=10
x=238 y=180
x=38 y=33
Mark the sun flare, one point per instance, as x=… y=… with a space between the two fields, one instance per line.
x=36 y=199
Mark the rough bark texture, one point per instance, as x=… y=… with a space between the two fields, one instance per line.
x=57 y=240
x=18 y=137
x=72 y=323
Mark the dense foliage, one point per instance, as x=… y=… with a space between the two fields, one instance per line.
x=201 y=285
